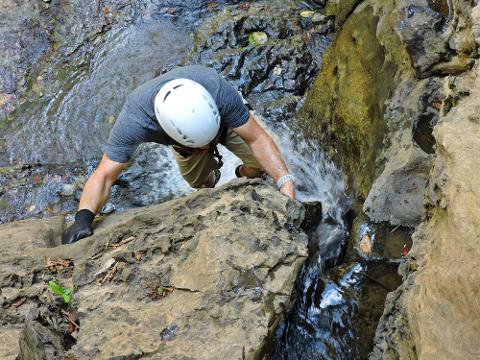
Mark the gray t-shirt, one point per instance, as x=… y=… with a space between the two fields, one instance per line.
x=137 y=123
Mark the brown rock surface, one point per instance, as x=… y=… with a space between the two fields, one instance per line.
x=202 y=277
x=435 y=314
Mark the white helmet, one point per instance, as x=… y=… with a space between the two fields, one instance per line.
x=187 y=112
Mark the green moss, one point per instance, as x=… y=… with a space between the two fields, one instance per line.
x=344 y=109
x=340 y=9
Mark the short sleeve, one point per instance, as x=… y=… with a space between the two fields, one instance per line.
x=233 y=111
x=125 y=136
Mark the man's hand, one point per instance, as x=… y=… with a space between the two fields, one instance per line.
x=288 y=189
x=81 y=228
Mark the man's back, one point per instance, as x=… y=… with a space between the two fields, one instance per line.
x=137 y=123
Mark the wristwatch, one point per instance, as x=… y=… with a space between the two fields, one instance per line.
x=284 y=179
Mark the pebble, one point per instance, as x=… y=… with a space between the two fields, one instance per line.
x=258 y=38
x=68 y=189
x=108 y=208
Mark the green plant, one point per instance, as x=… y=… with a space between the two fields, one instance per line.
x=66 y=293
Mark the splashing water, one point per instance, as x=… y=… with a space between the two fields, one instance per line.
x=317 y=179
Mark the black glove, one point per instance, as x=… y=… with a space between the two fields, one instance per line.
x=81 y=228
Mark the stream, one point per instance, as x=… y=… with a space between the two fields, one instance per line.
x=339 y=294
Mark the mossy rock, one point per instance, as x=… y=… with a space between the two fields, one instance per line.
x=340 y=9
x=344 y=109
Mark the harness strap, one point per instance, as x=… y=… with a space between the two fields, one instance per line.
x=214 y=151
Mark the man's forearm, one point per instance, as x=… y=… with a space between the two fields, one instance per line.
x=268 y=156
x=95 y=193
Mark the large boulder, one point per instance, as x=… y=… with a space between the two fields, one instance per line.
x=199 y=277
x=369 y=90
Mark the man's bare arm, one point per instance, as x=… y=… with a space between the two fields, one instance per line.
x=95 y=194
x=266 y=152
x=97 y=188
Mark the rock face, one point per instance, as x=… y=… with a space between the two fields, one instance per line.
x=435 y=313
x=397 y=195
x=411 y=152
x=200 y=277
x=387 y=48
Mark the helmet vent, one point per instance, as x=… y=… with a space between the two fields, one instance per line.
x=166 y=95
x=177 y=86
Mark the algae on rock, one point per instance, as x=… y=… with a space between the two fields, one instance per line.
x=345 y=107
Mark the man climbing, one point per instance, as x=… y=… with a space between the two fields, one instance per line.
x=191 y=109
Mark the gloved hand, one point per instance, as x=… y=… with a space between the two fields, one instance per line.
x=81 y=228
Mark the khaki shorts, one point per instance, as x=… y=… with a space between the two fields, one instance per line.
x=196 y=168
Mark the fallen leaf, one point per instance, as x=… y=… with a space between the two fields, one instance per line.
x=307 y=13
x=405 y=250
x=18 y=303
x=257 y=38
x=158 y=292
x=212 y=5
x=72 y=317
x=366 y=245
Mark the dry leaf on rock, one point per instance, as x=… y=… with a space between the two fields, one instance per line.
x=366 y=245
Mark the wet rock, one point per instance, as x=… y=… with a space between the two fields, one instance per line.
x=310 y=18
x=423 y=32
x=86 y=91
x=36 y=34
x=280 y=61
x=21 y=188
x=230 y=257
x=340 y=9
x=440 y=273
x=397 y=195
x=376 y=243
x=92 y=44
x=337 y=313
x=408 y=51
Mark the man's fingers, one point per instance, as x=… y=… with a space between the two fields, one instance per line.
x=76 y=232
